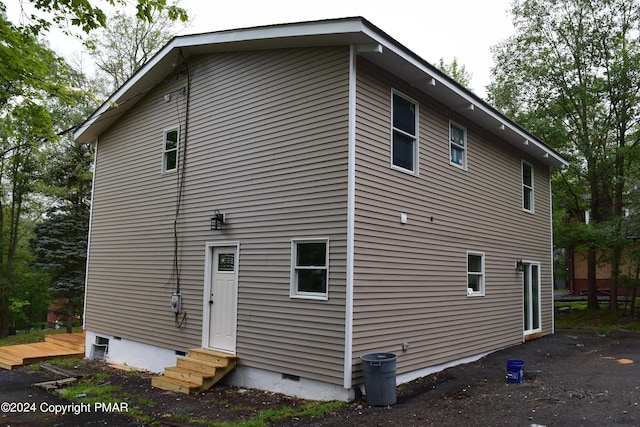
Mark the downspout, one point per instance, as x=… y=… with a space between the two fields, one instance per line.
x=86 y=268
x=553 y=294
x=351 y=185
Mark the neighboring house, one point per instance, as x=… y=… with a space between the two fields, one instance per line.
x=577 y=275
x=369 y=203
x=577 y=266
x=54 y=318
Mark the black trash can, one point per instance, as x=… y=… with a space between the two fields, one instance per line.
x=379 y=378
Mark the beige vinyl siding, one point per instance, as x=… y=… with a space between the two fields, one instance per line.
x=410 y=279
x=267 y=145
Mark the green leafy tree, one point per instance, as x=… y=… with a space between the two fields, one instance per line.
x=22 y=131
x=30 y=76
x=571 y=75
x=127 y=43
x=25 y=66
x=88 y=15
x=30 y=300
x=456 y=70
x=37 y=97
x=59 y=242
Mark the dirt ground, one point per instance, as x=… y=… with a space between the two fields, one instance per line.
x=573 y=378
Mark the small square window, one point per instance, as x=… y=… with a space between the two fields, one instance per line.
x=527 y=187
x=458 y=145
x=475 y=274
x=170 y=151
x=310 y=268
x=404 y=144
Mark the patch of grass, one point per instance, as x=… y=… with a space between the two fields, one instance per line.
x=96 y=388
x=581 y=317
x=68 y=363
x=35 y=336
x=268 y=417
x=178 y=417
x=100 y=376
x=573 y=305
x=90 y=391
x=93 y=388
x=142 y=417
x=142 y=401
x=137 y=406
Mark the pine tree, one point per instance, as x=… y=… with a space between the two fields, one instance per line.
x=60 y=242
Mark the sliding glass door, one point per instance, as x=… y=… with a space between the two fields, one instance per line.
x=531 y=295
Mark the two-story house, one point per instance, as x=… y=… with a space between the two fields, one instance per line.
x=299 y=195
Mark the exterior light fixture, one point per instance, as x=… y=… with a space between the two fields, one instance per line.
x=519 y=265
x=217 y=220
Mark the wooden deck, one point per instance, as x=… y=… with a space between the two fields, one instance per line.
x=54 y=347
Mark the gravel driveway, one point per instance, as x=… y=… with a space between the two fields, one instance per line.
x=572 y=378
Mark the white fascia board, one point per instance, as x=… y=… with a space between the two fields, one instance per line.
x=120 y=94
x=271 y=32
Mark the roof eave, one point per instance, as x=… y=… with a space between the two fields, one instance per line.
x=389 y=55
x=315 y=33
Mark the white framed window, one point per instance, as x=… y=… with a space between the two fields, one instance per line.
x=310 y=268
x=475 y=274
x=404 y=133
x=457 y=145
x=170 y=150
x=527 y=187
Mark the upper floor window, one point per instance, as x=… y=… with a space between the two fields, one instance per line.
x=310 y=268
x=475 y=273
x=404 y=150
x=170 y=150
x=527 y=187
x=458 y=145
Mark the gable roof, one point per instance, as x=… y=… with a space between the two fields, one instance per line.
x=370 y=42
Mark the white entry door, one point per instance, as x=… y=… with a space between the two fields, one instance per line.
x=223 y=294
x=531 y=296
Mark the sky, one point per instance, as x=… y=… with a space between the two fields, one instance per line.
x=433 y=29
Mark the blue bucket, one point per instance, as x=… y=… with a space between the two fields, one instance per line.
x=515 y=371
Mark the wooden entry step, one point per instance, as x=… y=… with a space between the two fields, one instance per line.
x=199 y=371
x=54 y=347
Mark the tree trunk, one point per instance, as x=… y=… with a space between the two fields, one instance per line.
x=592 y=286
x=632 y=310
x=615 y=276
x=4 y=279
x=4 y=311
x=594 y=205
x=618 y=217
x=69 y=316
